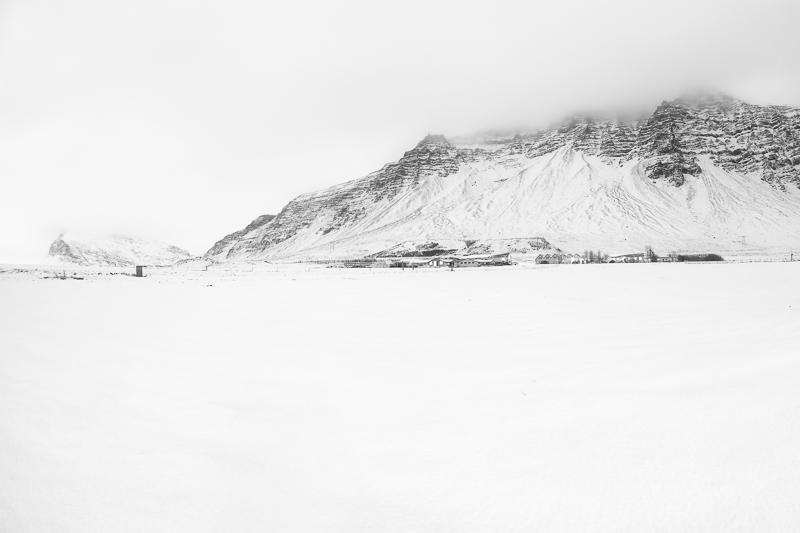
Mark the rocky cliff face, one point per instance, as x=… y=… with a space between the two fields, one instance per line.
x=750 y=139
x=89 y=250
x=659 y=176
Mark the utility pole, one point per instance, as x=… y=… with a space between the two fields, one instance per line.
x=744 y=242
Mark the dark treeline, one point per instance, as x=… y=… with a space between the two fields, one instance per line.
x=700 y=257
x=595 y=257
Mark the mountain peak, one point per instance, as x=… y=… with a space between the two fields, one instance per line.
x=435 y=139
x=700 y=99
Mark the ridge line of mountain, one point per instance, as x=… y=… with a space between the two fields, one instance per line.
x=421 y=194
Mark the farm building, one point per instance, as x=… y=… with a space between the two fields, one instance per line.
x=572 y=259
x=494 y=260
x=439 y=262
x=470 y=261
x=627 y=258
x=647 y=257
x=559 y=259
x=671 y=258
x=548 y=259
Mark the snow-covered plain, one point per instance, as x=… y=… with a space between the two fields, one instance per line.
x=597 y=398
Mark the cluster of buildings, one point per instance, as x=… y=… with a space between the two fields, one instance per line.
x=463 y=261
x=559 y=259
x=454 y=261
x=647 y=257
x=471 y=261
x=571 y=259
x=555 y=258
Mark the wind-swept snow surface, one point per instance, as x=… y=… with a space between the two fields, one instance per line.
x=625 y=398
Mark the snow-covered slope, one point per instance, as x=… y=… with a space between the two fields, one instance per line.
x=222 y=246
x=700 y=173
x=83 y=249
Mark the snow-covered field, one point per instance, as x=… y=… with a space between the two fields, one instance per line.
x=586 y=398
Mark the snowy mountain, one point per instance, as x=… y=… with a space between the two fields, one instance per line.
x=90 y=250
x=698 y=174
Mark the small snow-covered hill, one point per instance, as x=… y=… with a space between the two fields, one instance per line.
x=699 y=174
x=82 y=249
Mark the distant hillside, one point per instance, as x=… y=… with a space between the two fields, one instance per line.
x=90 y=250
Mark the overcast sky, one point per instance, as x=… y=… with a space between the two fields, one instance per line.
x=184 y=120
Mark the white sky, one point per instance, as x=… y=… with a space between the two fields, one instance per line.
x=183 y=121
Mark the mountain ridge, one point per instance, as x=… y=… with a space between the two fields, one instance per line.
x=696 y=166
